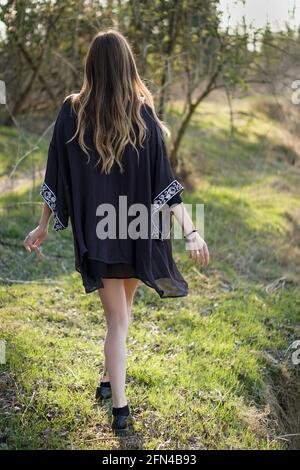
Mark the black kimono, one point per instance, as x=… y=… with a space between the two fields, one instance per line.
x=73 y=188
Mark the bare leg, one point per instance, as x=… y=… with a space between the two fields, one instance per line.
x=130 y=286
x=114 y=302
x=105 y=375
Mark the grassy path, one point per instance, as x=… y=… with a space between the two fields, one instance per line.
x=210 y=371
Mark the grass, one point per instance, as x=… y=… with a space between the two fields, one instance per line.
x=209 y=371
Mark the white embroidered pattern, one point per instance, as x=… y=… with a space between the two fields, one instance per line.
x=160 y=200
x=166 y=194
x=50 y=199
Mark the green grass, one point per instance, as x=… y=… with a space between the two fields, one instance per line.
x=209 y=371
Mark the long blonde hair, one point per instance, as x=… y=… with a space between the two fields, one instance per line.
x=110 y=100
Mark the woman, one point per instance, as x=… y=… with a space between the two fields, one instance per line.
x=108 y=150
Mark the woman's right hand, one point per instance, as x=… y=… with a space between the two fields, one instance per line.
x=197 y=248
x=34 y=238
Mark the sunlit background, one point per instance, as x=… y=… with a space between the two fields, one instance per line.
x=258 y=13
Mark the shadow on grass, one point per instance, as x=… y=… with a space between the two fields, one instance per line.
x=242 y=244
x=31 y=422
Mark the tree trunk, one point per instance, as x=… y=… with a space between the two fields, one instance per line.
x=191 y=107
x=173 y=28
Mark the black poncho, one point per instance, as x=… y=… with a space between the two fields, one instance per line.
x=73 y=188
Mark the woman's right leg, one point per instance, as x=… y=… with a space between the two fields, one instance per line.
x=113 y=298
x=131 y=285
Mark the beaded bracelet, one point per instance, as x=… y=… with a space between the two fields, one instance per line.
x=195 y=230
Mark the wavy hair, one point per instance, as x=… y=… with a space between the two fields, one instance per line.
x=110 y=100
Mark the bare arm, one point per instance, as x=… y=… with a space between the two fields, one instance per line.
x=34 y=238
x=45 y=216
x=194 y=243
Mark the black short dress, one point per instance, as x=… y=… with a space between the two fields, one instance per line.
x=74 y=189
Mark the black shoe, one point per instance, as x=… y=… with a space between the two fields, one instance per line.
x=121 y=419
x=103 y=391
x=120 y=424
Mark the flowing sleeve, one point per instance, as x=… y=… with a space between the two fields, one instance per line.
x=166 y=189
x=53 y=190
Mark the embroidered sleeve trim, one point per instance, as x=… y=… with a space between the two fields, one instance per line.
x=166 y=194
x=160 y=200
x=50 y=199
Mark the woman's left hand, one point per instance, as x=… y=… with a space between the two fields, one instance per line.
x=34 y=239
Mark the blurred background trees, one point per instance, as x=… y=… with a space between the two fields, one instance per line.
x=181 y=51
